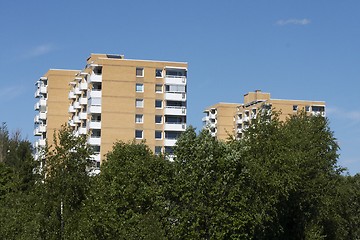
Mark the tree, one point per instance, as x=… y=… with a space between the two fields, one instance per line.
x=65 y=184
x=128 y=198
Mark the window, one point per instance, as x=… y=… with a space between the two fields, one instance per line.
x=96 y=149
x=169 y=150
x=158 y=119
x=307 y=108
x=295 y=107
x=139 y=87
x=139 y=72
x=139 y=118
x=158 y=73
x=96 y=133
x=158 y=88
x=158 y=150
x=158 y=103
x=139 y=134
x=176 y=72
x=139 y=103
x=158 y=135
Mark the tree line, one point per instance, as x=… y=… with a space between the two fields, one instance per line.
x=280 y=181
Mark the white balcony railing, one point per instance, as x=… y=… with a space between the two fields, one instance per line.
x=174 y=126
x=94 y=109
x=175 y=80
x=175 y=96
x=205 y=119
x=76 y=105
x=95 y=94
x=72 y=95
x=83 y=101
x=76 y=119
x=94 y=125
x=83 y=115
x=82 y=130
x=169 y=142
x=83 y=86
x=94 y=141
x=95 y=78
x=239 y=121
x=41 y=142
x=71 y=109
x=180 y=111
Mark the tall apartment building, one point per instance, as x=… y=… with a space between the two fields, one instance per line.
x=224 y=119
x=114 y=98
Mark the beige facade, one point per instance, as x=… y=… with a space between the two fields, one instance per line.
x=115 y=98
x=224 y=119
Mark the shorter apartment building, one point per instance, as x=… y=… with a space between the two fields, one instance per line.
x=231 y=119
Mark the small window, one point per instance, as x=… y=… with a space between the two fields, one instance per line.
x=158 y=119
x=158 y=150
x=139 y=72
x=139 y=118
x=158 y=135
x=139 y=134
x=295 y=107
x=139 y=87
x=307 y=108
x=96 y=149
x=159 y=88
x=158 y=103
x=158 y=73
x=139 y=103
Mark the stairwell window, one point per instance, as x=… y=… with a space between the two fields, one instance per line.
x=158 y=88
x=139 y=103
x=139 y=87
x=139 y=72
x=158 y=135
x=139 y=118
x=158 y=119
x=158 y=73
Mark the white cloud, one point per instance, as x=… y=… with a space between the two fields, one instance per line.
x=293 y=21
x=39 y=50
x=349 y=115
x=11 y=92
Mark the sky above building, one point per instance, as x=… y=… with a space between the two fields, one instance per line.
x=306 y=50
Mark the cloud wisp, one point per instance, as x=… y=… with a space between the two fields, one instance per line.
x=39 y=50
x=349 y=115
x=293 y=21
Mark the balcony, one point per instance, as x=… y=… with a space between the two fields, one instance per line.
x=95 y=94
x=179 y=111
x=41 y=142
x=175 y=96
x=76 y=119
x=77 y=91
x=94 y=140
x=71 y=109
x=83 y=115
x=39 y=130
x=83 y=86
x=83 y=101
x=36 y=119
x=178 y=80
x=95 y=157
x=239 y=121
x=94 y=125
x=205 y=119
x=239 y=130
x=71 y=95
x=76 y=105
x=246 y=119
x=169 y=142
x=71 y=123
x=174 y=126
x=94 y=109
x=43 y=90
x=212 y=115
x=95 y=78
x=82 y=130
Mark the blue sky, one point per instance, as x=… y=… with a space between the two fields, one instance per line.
x=293 y=49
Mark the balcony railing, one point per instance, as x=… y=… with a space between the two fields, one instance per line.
x=175 y=111
x=175 y=80
x=175 y=96
x=174 y=126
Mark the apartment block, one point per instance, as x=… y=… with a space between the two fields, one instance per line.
x=114 y=98
x=52 y=112
x=231 y=119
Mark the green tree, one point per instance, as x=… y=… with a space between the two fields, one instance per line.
x=128 y=197
x=65 y=184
